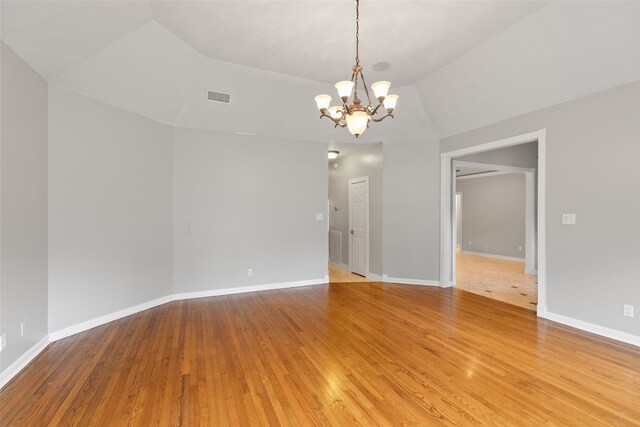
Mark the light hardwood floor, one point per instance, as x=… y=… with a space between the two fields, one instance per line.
x=337 y=275
x=495 y=278
x=341 y=354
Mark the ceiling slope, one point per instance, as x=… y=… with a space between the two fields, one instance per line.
x=562 y=52
x=153 y=73
x=55 y=36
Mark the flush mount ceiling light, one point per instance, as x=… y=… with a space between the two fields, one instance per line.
x=354 y=115
x=333 y=154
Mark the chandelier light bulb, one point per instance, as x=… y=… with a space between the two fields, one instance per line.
x=357 y=122
x=323 y=101
x=333 y=154
x=381 y=88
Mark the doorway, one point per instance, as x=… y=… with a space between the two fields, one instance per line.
x=535 y=245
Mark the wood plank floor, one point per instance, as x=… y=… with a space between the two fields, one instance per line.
x=339 y=354
x=495 y=278
x=338 y=275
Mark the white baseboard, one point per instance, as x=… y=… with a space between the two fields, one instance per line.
x=593 y=328
x=401 y=281
x=244 y=289
x=508 y=258
x=13 y=369
x=89 y=324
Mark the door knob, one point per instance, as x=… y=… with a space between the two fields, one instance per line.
x=351 y=232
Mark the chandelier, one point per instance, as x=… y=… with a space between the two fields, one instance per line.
x=353 y=114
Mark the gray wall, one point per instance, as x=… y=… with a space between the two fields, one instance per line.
x=493 y=216
x=523 y=155
x=364 y=162
x=592 y=156
x=411 y=188
x=23 y=212
x=245 y=202
x=110 y=214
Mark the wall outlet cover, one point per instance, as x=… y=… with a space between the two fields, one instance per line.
x=628 y=310
x=569 y=218
x=3 y=341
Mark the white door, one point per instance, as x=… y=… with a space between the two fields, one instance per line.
x=359 y=225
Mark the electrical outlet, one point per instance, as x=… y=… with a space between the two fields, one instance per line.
x=3 y=341
x=569 y=218
x=520 y=248
x=21 y=329
x=319 y=217
x=470 y=243
x=628 y=310
x=250 y=272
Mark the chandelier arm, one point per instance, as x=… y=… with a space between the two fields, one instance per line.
x=336 y=121
x=382 y=118
x=366 y=89
x=375 y=110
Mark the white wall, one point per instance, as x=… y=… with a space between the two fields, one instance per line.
x=365 y=162
x=411 y=189
x=592 y=155
x=110 y=215
x=245 y=202
x=23 y=214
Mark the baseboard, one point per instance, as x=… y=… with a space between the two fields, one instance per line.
x=401 y=281
x=374 y=277
x=508 y=258
x=13 y=369
x=244 y=289
x=593 y=328
x=89 y=324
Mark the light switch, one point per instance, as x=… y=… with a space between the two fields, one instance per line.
x=569 y=218
x=319 y=217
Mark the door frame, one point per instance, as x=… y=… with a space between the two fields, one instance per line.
x=447 y=189
x=364 y=179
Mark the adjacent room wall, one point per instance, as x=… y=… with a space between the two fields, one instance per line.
x=493 y=214
x=245 y=202
x=23 y=213
x=523 y=156
x=110 y=214
x=365 y=162
x=411 y=234
x=592 y=154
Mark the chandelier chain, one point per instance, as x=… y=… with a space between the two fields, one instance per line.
x=357 y=32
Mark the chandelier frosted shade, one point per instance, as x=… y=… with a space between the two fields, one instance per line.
x=390 y=102
x=381 y=89
x=357 y=122
x=323 y=101
x=352 y=114
x=344 y=88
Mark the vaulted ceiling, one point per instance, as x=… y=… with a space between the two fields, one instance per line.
x=456 y=64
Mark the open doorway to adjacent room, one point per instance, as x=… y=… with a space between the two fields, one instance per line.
x=493 y=230
x=355 y=212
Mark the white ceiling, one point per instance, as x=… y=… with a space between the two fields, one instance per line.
x=457 y=65
x=310 y=39
x=316 y=39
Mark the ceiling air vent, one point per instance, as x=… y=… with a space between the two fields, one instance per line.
x=218 y=96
